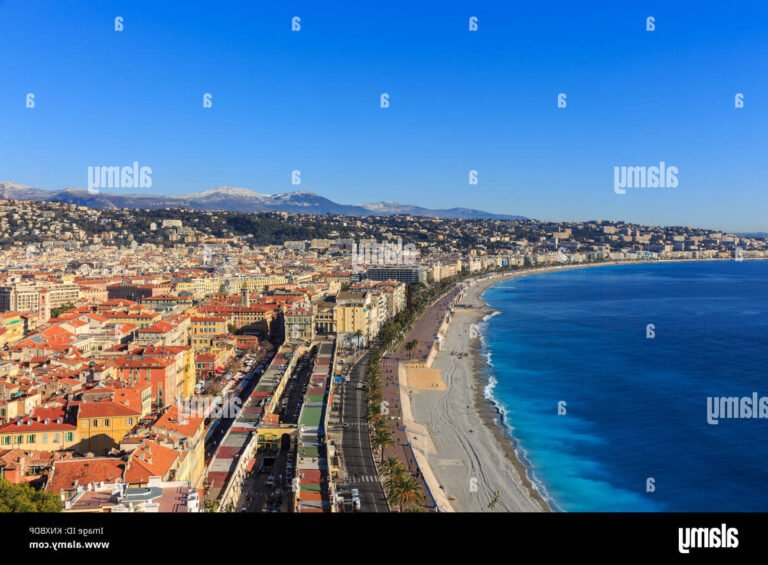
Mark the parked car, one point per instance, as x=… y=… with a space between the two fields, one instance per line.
x=271 y=481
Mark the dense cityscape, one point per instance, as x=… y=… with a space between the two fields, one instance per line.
x=187 y=361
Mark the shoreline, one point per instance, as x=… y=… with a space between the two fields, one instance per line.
x=479 y=445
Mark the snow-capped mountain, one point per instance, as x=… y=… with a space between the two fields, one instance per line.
x=234 y=199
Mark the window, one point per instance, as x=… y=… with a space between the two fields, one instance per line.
x=19 y=439
x=56 y=437
x=106 y=423
x=45 y=438
x=69 y=436
x=31 y=438
x=6 y=440
x=129 y=421
x=95 y=423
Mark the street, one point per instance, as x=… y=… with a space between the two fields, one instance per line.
x=356 y=446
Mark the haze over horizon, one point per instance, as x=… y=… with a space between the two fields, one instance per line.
x=371 y=205
x=460 y=101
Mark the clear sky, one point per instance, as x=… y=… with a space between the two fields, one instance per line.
x=460 y=100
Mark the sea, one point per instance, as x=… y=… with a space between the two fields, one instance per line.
x=602 y=377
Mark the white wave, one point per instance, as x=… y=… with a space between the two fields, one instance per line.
x=491 y=315
x=504 y=422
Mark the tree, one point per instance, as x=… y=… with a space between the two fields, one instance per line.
x=358 y=338
x=410 y=346
x=23 y=498
x=393 y=470
x=382 y=438
x=407 y=494
x=59 y=310
x=494 y=501
x=392 y=466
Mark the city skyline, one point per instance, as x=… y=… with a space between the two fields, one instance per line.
x=460 y=101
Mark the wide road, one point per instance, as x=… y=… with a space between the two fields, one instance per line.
x=356 y=445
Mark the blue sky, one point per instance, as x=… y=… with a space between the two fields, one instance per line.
x=460 y=100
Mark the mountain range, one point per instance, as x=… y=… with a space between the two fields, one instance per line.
x=233 y=199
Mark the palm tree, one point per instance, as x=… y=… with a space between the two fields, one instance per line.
x=407 y=494
x=382 y=438
x=494 y=501
x=393 y=470
x=392 y=466
x=410 y=346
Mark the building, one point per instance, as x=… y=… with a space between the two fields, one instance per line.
x=355 y=315
x=26 y=297
x=103 y=424
x=299 y=324
x=40 y=432
x=400 y=273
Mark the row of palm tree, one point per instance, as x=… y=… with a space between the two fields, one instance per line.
x=402 y=489
x=381 y=436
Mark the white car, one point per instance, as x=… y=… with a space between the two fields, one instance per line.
x=356 y=504
x=271 y=481
x=355 y=493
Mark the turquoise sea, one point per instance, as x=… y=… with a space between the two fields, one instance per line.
x=634 y=435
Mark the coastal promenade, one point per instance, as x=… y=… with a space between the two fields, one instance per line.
x=424 y=331
x=469 y=454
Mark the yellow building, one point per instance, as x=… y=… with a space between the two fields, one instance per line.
x=142 y=320
x=11 y=328
x=101 y=425
x=18 y=405
x=205 y=328
x=42 y=434
x=184 y=366
x=187 y=433
x=353 y=313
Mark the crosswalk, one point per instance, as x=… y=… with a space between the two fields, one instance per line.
x=357 y=424
x=362 y=479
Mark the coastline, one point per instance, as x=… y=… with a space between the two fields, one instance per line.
x=472 y=454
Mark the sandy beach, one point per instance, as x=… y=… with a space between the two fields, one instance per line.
x=467 y=457
x=471 y=457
